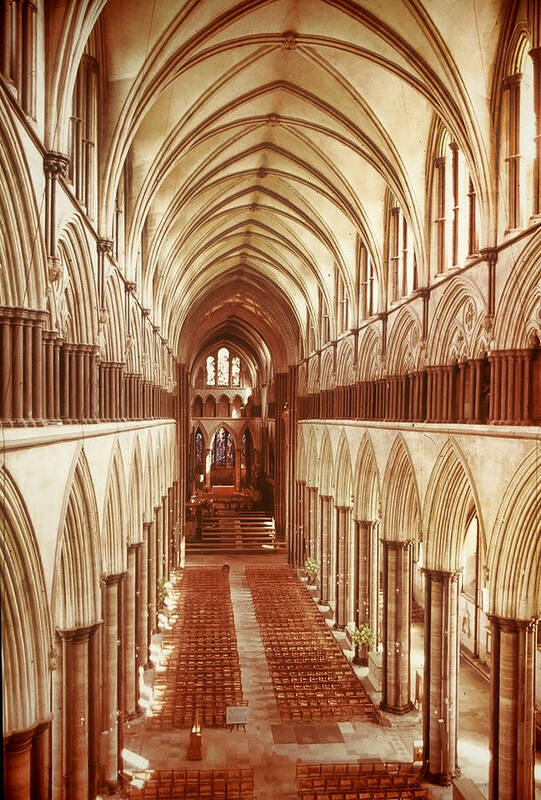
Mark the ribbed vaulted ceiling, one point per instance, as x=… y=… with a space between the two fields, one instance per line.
x=262 y=136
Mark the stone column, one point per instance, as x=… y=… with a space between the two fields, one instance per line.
x=41 y=761
x=325 y=546
x=374 y=580
x=76 y=729
x=144 y=608
x=37 y=373
x=158 y=511
x=362 y=579
x=312 y=522
x=152 y=581
x=396 y=674
x=17 y=765
x=110 y=682
x=341 y=571
x=95 y=671
x=17 y=375
x=6 y=376
x=440 y=676
x=165 y=536
x=512 y=702
x=131 y=618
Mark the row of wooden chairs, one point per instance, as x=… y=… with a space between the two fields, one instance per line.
x=234 y=784
x=335 y=783
x=201 y=674
x=364 y=767
x=312 y=681
x=391 y=794
x=361 y=781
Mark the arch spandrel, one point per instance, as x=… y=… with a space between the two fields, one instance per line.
x=312 y=460
x=301 y=458
x=343 y=478
x=136 y=496
x=326 y=466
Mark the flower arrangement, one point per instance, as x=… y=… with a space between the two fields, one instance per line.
x=364 y=636
x=311 y=567
x=164 y=589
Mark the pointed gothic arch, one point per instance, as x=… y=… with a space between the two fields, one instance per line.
x=366 y=483
x=446 y=513
x=76 y=584
x=26 y=623
x=515 y=556
x=457 y=330
x=404 y=345
x=114 y=537
x=369 y=361
x=401 y=508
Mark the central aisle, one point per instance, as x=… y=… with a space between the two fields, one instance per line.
x=270 y=746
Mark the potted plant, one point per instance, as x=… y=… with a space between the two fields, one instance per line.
x=164 y=590
x=311 y=567
x=364 y=639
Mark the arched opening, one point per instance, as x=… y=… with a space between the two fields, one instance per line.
x=222 y=459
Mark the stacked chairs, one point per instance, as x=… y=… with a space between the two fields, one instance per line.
x=201 y=674
x=193 y=784
x=312 y=679
x=363 y=781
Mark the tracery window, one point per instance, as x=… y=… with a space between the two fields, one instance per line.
x=401 y=258
x=470 y=554
x=235 y=371
x=223 y=449
x=367 y=284
x=223 y=369
x=84 y=130
x=199 y=448
x=211 y=371
x=519 y=125
x=18 y=49
x=454 y=206
x=223 y=366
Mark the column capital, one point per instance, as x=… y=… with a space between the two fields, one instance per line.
x=105 y=246
x=19 y=741
x=397 y=544
x=55 y=164
x=511 y=624
x=441 y=575
x=111 y=580
x=489 y=254
x=77 y=635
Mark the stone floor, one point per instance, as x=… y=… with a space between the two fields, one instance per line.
x=272 y=748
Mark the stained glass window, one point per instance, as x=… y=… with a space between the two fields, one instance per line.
x=223 y=450
x=243 y=451
x=223 y=366
x=235 y=371
x=199 y=452
x=211 y=371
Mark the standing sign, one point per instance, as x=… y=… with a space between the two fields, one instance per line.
x=237 y=715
